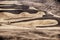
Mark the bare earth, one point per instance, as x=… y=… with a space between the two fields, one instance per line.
x=29 y=26
x=29 y=30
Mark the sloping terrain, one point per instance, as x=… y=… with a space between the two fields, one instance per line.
x=31 y=26
x=27 y=30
